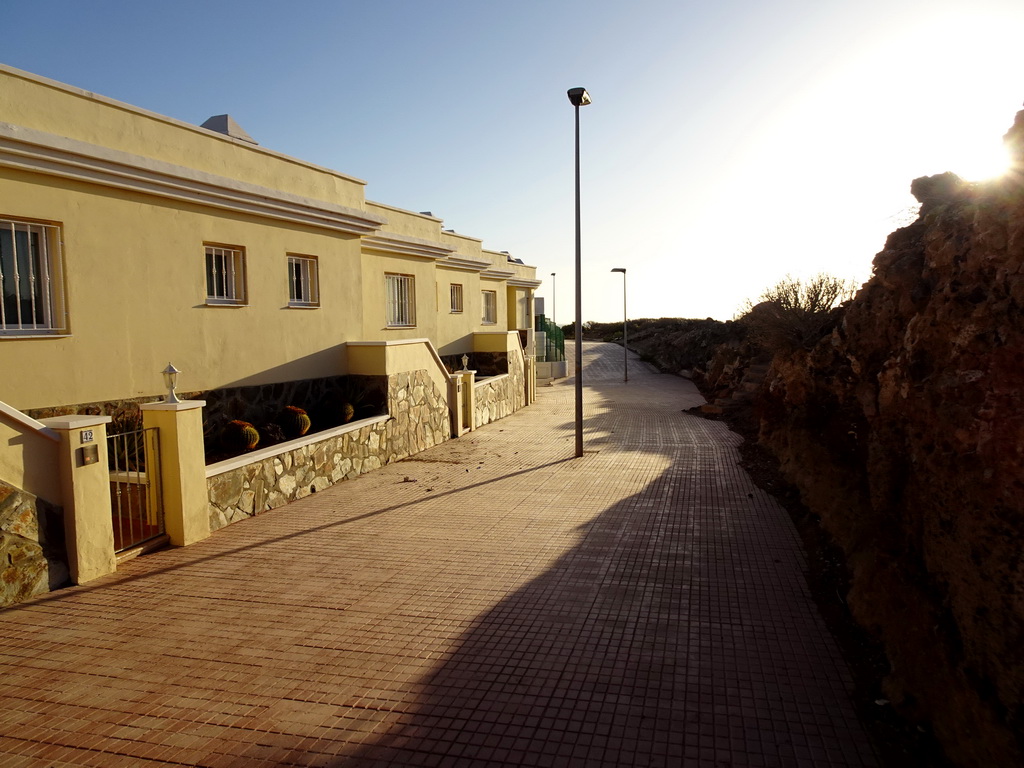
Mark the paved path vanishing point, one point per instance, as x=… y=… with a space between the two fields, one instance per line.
x=490 y=602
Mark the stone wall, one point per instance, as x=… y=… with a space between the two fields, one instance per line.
x=418 y=419
x=33 y=557
x=501 y=396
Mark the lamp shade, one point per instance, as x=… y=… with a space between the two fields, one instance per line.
x=579 y=97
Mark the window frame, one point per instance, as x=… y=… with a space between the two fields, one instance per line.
x=47 y=298
x=234 y=291
x=457 y=298
x=491 y=305
x=399 y=300
x=307 y=282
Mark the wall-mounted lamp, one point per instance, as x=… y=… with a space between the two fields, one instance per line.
x=171 y=382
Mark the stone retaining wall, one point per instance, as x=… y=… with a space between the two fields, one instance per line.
x=418 y=419
x=33 y=557
x=501 y=396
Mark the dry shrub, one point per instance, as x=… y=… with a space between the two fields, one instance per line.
x=794 y=314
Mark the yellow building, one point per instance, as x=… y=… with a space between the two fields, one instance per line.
x=129 y=239
x=141 y=239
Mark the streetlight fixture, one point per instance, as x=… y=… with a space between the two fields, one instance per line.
x=625 y=348
x=553 y=295
x=578 y=97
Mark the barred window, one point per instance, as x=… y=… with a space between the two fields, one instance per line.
x=31 y=279
x=456 y=297
x=400 y=297
x=490 y=307
x=303 y=281
x=225 y=275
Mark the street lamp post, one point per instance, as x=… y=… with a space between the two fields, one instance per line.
x=554 y=293
x=625 y=338
x=578 y=97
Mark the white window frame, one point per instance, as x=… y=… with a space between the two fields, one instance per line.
x=457 y=303
x=303 y=281
x=225 y=275
x=489 y=307
x=400 y=300
x=32 y=300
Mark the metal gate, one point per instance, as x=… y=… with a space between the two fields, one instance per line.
x=135 y=498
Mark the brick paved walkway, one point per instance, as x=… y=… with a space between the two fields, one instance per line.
x=490 y=602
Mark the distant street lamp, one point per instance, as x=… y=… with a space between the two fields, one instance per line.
x=553 y=295
x=625 y=339
x=578 y=97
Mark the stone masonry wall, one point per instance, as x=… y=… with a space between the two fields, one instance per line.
x=33 y=558
x=502 y=396
x=418 y=420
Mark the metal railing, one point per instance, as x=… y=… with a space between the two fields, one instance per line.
x=555 y=342
x=134 y=462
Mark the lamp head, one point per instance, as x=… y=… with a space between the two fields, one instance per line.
x=171 y=382
x=579 y=97
x=619 y=269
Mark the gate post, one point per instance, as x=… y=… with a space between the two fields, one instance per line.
x=182 y=469
x=468 y=399
x=85 y=494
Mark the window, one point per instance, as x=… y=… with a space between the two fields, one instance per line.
x=225 y=275
x=490 y=300
x=400 y=297
x=303 y=283
x=31 y=281
x=456 y=297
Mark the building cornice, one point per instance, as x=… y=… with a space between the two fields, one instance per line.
x=465 y=263
x=497 y=274
x=523 y=282
x=403 y=245
x=35 y=151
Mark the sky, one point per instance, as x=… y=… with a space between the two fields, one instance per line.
x=729 y=144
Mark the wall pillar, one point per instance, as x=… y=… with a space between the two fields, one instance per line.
x=85 y=494
x=182 y=469
x=468 y=414
x=530 y=372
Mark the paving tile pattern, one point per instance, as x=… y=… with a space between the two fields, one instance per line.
x=492 y=601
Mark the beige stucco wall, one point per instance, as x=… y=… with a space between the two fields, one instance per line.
x=394 y=357
x=375 y=267
x=455 y=329
x=136 y=287
x=407 y=223
x=46 y=105
x=501 y=314
x=28 y=460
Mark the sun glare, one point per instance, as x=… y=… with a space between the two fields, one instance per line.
x=981 y=164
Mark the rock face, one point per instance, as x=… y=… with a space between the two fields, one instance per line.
x=32 y=558
x=904 y=431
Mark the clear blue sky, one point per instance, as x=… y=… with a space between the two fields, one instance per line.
x=729 y=143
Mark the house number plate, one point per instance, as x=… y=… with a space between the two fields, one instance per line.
x=87 y=436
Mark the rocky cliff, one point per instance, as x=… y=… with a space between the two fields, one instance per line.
x=904 y=432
